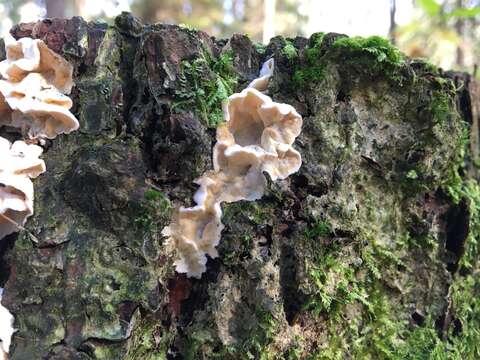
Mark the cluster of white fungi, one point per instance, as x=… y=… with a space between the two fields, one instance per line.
x=34 y=85
x=257 y=137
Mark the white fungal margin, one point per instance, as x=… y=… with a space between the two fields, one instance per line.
x=32 y=90
x=33 y=84
x=257 y=137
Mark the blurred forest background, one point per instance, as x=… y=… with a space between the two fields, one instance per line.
x=444 y=31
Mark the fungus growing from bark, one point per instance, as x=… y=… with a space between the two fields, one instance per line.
x=20 y=162
x=32 y=90
x=32 y=99
x=27 y=55
x=261 y=83
x=256 y=138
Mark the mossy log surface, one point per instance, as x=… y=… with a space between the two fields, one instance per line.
x=369 y=251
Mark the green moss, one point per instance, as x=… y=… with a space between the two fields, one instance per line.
x=417 y=242
x=108 y=351
x=332 y=272
x=155 y=207
x=250 y=210
x=191 y=29
x=347 y=290
x=204 y=84
x=257 y=344
x=318 y=228
x=424 y=342
x=334 y=284
x=412 y=175
x=294 y=352
x=196 y=340
x=461 y=187
x=289 y=51
x=465 y=295
x=314 y=68
x=375 y=334
x=469 y=191
x=441 y=127
x=460 y=337
x=424 y=66
x=150 y=341
x=260 y=48
x=373 y=54
x=440 y=107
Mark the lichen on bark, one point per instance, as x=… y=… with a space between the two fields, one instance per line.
x=369 y=251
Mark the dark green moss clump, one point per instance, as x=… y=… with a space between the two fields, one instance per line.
x=319 y=228
x=205 y=83
x=313 y=69
x=154 y=207
x=373 y=53
x=372 y=56
x=151 y=343
x=290 y=51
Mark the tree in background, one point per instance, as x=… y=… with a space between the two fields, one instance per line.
x=393 y=25
x=10 y=9
x=444 y=32
x=220 y=18
x=55 y=8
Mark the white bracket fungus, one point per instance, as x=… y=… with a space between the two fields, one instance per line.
x=20 y=162
x=27 y=55
x=34 y=81
x=32 y=90
x=257 y=137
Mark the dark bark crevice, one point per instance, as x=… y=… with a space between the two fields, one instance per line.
x=458 y=221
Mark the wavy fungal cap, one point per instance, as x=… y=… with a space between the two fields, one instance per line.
x=27 y=55
x=34 y=81
x=257 y=137
x=20 y=163
x=32 y=90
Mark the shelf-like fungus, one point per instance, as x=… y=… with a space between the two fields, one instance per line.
x=257 y=137
x=20 y=163
x=32 y=98
x=27 y=55
x=32 y=90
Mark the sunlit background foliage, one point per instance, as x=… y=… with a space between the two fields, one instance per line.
x=444 y=31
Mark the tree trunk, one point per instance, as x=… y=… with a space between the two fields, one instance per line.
x=460 y=29
x=393 y=24
x=269 y=20
x=369 y=251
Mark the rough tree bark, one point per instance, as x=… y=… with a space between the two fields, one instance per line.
x=368 y=252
